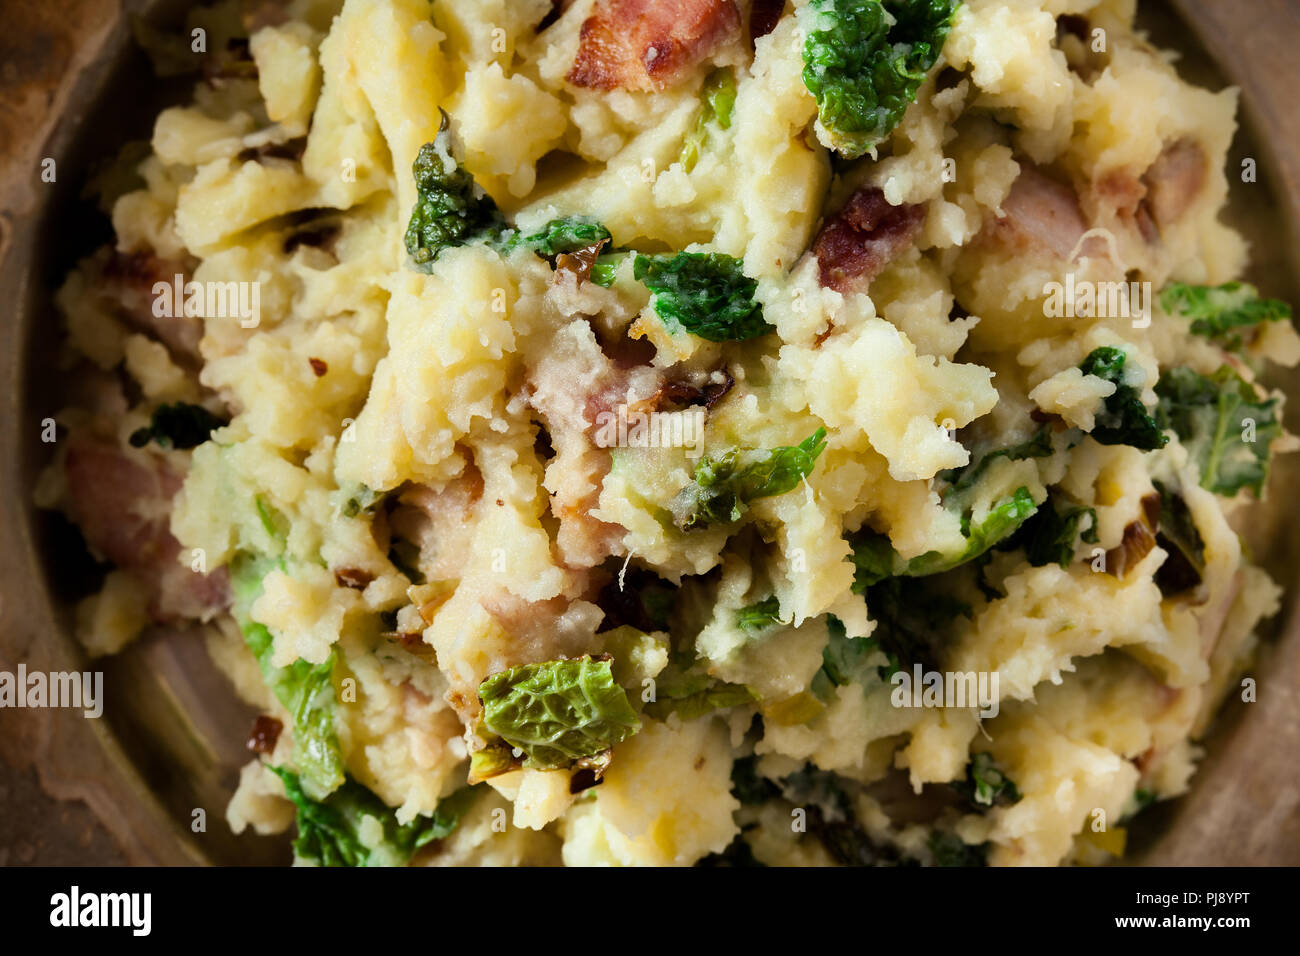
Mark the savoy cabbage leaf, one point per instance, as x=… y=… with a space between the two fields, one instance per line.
x=567 y=234
x=558 y=712
x=1050 y=535
x=718 y=98
x=875 y=559
x=329 y=830
x=306 y=690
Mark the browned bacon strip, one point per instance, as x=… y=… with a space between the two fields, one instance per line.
x=857 y=243
x=648 y=44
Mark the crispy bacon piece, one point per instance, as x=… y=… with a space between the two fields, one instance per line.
x=355 y=578
x=121 y=505
x=580 y=261
x=648 y=44
x=266 y=731
x=1139 y=538
x=679 y=393
x=1163 y=194
x=857 y=243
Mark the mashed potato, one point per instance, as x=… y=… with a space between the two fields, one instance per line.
x=712 y=471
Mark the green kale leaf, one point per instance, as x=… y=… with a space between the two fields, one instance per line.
x=865 y=60
x=1221 y=313
x=843 y=658
x=985 y=785
x=717 y=695
x=558 y=712
x=723 y=487
x=763 y=614
x=1049 y=536
x=950 y=850
x=306 y=690
x=563 y=235
x=1123 y=419
x=913 y=622
x=450 y=208
x=703 y=293
x=1224 y=425
x=875 y=559
x=719 y=98
x=1038 y=445
x=179 y=425
x=329 y=830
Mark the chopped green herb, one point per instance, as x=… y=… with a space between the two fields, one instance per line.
x=719 y=98
x=723 y=487
x=864 y=62
x=1123 y=419
x=703 y=293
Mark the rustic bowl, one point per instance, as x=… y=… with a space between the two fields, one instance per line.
x=130 y=787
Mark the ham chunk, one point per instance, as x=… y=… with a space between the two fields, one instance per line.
x=440 y=522
x=648 y=45
x=129 y=281
x=857 y=243
x=1175 y=180
x=122 y=504
x=1039 y=214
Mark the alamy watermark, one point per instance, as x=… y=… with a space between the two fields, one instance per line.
x=1085 y=299
x=59 y=689
x=75 y=908
x=629 y=428
x=922 y=688
x=212 y=300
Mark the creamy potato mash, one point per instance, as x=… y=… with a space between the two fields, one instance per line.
x=675 y=431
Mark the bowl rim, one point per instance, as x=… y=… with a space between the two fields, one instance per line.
x=79 y=759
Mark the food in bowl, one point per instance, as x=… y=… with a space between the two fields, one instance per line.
x=683 y=431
